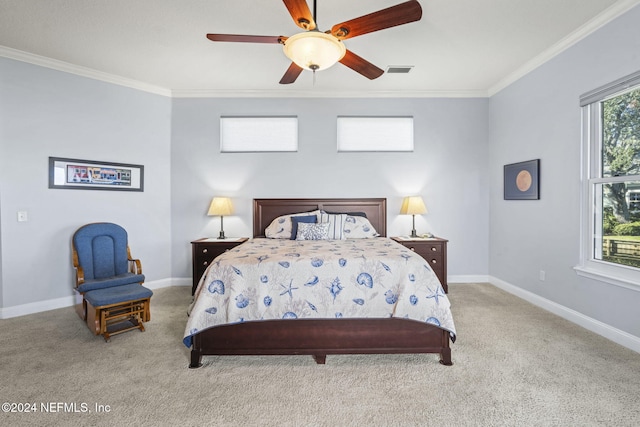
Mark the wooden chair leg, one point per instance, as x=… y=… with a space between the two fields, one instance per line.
x=93 y=318
x=80 y=305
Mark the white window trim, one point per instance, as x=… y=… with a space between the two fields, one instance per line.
x=590 y=267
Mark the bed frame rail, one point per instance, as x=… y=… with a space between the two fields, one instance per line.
x=321 y=337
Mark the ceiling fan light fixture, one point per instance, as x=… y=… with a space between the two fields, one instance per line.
x=314 y=50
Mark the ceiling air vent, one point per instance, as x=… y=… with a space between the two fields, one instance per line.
x=399 y=69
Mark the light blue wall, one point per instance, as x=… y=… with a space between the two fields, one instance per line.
x=448 y=168
x=539 y=117
x=49 y=113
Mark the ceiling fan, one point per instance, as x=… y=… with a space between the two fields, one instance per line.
x=314 y=50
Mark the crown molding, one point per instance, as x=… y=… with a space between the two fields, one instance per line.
x=326 y=94
x=608 y=15
x=78 y=70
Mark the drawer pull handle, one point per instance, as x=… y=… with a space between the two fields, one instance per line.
x=205 y=250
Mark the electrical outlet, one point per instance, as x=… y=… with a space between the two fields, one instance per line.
x=22 y=216
x=542 y=275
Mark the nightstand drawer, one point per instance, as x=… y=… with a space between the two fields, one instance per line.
x=426 y=249
x=204 y=254
x=434 y=260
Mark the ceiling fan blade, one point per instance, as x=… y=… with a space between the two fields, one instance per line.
x=402 y=13
x=245 y=38
x=361 y=65
x=300 y=13
x=291 y=74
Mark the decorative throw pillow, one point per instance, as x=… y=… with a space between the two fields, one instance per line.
x=310 y=231
x=295 y=220
x=356 y=227
x=280 y=228
x=336 y=224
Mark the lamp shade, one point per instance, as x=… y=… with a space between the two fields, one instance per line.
x=413 y=205
x=220 y=206
x=314 y=50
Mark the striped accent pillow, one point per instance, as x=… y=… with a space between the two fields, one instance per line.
x=336 y=224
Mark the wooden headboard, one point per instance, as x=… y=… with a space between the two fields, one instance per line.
x=266 y=210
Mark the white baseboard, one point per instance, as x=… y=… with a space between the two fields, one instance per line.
x=165 y=283
x=616 y=335
x=468 y=279
x=181 y=281
x=53 y=304
x=36 y=307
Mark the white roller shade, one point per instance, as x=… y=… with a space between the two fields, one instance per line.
x=375 y=133
x=257 y=134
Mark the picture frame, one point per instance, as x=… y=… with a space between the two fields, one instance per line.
x=77 y=174
x=522 y=180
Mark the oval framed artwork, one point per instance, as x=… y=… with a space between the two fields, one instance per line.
x=522 y=180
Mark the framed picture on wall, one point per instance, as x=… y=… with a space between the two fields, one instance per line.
x=79 y=174
x=522 y=180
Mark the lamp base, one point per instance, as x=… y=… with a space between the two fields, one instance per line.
x=413 y=232
x=221 y=236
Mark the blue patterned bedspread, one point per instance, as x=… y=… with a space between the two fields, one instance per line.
x=289 y=279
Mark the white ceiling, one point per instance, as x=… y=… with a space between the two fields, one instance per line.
x=458 y=48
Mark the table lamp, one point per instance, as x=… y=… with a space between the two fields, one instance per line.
x=220 y=206
x=413 y=205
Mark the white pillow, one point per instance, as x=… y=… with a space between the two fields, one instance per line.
x=358 y=227
x=311 y=231
x=280 y=228
x=336 y=224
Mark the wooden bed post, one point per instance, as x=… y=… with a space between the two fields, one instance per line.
x=445 y=354
x=196 y=355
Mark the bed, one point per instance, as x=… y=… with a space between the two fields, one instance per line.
x=239 y=297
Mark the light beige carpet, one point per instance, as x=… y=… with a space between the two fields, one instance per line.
x=514 y=365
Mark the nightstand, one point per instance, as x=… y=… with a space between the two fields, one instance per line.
x=434 y=250
x=205 y=250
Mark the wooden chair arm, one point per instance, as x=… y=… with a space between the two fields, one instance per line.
x=136 y=266
x=76 y=267
x=79 y=276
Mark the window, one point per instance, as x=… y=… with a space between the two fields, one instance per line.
x=257 y=134
x=375 y=133
x=611 y=193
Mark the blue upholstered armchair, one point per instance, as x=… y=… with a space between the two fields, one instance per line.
x=110 y=295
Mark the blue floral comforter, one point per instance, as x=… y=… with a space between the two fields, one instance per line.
x=288 y=279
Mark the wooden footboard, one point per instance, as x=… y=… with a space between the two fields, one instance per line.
x=320 y=337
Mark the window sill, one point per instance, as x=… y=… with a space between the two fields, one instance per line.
x=622 y=278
